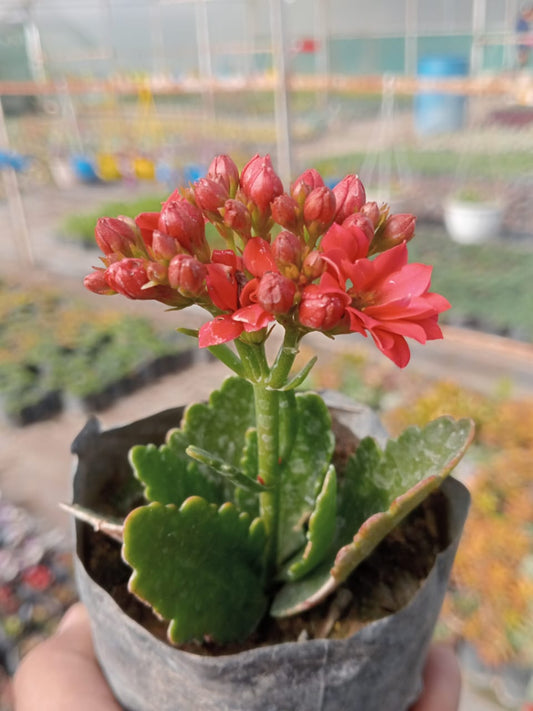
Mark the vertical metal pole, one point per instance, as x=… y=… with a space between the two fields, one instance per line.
x=281 y=95
x=411 y=37
x=14 y=200
x=322 y=52
x=205 y=65
x=479 y=11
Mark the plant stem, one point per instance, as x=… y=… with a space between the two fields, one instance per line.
x=285 y=359
x=266 y=414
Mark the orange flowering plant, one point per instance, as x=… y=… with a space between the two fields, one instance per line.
x=245 y=512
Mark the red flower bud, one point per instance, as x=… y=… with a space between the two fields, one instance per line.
x=237 y=217
x=397 y=228
x=157 y=272
x=350 y=196
x=287 y=249
x=128 y=277
x=314 y=266
x=319 y=210
x=97 y=283
x=319 y=310
x=285 y=211
x=305 y=183
x=224 y=171
x=163 y=246
x=360 y=222
x=210 y=194
x=185 y=222
x=116 y=235
x=187 y=274
x=260 y=183
x=275 y=293
x=372 y=211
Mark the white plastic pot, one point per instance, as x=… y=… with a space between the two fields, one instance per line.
x=472 y=222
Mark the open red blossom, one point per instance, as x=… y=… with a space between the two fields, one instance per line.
x=390 y=300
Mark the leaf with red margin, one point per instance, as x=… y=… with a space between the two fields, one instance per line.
x=380 y=488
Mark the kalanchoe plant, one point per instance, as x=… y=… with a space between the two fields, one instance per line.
x=245 y=512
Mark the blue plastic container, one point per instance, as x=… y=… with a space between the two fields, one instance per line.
x=84 y=169
x=436 y=112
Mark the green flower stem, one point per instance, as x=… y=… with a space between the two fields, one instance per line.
x=267 y=421
x=285 y=359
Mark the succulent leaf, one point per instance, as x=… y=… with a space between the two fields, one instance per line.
x=219 y=427
x=304 y=464
x=321 y=529
x=231 y=473
x=419 y=460
x=199 y=567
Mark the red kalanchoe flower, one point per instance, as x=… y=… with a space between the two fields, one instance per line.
x=223 y=280
x=286 y=212
x=396 y=229
x=319 y=211
x=164 y=246
x=390 y=300
x=323 y=305
x=187 y=275
x=260 y=183
x=305 y=183
x=275 y=293
x=341 y=243
x=359 y=221
x=147 y=222
x=129 y=278
x=116 y=235
x=372 y=211
x=97 y=283
x=224 y=171
x=350 y=197
x=238 y=218
x=210 y=195
x=287 y=249
x=185 y=222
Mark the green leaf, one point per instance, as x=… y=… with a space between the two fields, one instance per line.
x=218 y=427
x=378 y=490
x=300 y=377
x=231 y=473
x=305 y=458
x=167 y=475
x=321 y=529
x=198 y=567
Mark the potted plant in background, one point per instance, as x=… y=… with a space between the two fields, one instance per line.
x=470 y=216
x=294 y=561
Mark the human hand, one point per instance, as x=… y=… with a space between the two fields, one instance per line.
x=442 y=681
x=62 y=673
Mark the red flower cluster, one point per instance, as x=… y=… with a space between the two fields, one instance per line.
x=305 y=258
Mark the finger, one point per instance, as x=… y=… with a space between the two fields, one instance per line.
x=62 y=673
x=442 y=681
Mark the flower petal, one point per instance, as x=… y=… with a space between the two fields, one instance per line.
x=258 y=257
x=220 y=330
